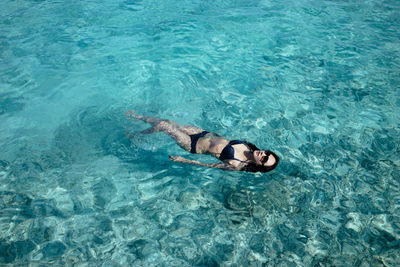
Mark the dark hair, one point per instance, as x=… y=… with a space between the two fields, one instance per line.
x=252 y=167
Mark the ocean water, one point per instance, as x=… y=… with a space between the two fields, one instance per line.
x=317 y=82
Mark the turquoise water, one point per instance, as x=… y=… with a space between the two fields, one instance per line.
x=315 y=81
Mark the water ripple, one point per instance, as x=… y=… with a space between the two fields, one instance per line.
x=317 y=82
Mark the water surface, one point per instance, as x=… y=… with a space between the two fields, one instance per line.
x=315 y=81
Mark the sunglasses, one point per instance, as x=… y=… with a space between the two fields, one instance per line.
x=266 y=157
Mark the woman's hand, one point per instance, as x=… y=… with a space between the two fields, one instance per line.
x=177 y=158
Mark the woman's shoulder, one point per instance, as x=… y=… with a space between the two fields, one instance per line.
x=250 y=145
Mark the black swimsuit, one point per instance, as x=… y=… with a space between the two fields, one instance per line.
x=228 y=152
x=194 y=138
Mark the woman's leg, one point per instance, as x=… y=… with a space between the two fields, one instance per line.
x=170 y=128
x=190 y=130
x=187 y=129
x=153 y=121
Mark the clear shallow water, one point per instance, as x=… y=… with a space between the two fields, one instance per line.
x=315 y=81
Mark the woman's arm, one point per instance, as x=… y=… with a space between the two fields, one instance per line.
x=222 y=166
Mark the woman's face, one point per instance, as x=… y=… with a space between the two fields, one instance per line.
x=262 y=157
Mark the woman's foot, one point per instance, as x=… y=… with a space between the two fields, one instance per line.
x=131 y=114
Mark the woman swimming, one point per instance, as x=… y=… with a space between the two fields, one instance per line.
x=235 y=155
